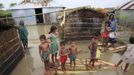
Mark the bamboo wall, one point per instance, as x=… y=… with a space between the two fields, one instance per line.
x=10 y=49
x=82 y=24
x=8 y=44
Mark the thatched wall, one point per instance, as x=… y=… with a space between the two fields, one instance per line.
x=10 y=47
x=81 y=24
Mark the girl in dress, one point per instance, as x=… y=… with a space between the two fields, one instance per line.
x=128 y=56
x=54 y=43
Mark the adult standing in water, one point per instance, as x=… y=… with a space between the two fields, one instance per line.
x=113 y=23
x=54 y=43
x=113 y=26
x=23 y=32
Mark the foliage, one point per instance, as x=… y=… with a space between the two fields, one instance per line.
x=1 y=6
x=13 y=4
x=4 y=13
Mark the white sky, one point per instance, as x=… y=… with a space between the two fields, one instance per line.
x=77 y=3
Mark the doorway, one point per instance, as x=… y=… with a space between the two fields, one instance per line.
x=39 y=18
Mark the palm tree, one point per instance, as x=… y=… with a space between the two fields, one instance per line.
x=13 y=4
x=1 y=6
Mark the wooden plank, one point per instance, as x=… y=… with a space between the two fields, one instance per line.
x=9 y=41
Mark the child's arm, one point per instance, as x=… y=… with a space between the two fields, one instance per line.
x=69 y=50
x=40 y=52
x=60 y=53
x=76 y=51
x=90 y=44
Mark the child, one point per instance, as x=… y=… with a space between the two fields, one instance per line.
x=44 y=53
x=128 y=56
x=63 y=55
x=93 y=49
x=105 y=33
x=73 y=54
x=23 y=32
x=54 y=45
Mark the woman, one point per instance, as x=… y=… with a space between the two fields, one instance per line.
x=23 y=34
x=113 y=23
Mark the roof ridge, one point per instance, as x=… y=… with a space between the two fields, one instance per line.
x=126 y=4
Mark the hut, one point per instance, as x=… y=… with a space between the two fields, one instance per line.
x=11 y=50
x=82 y=23
x=126 y=13
x=28 y=12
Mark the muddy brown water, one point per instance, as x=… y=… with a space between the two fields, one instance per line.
x=31 y=63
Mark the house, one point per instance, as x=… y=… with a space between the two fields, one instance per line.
x=33 y=14
x=79 y=26
x=126 y=12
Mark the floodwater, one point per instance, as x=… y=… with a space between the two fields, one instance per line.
x=31 y=63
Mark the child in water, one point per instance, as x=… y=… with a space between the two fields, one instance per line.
x=44 y=53
x=54 y=43
x=128 y=56
x=105 y=33
x=93 y=49
x=63 y=55
x=73 y=54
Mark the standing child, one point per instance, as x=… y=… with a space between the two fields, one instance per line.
x=23 y=32
x=128 y=56
x=44 y=53
x=63 y=55
x=54 y=43
x=105 y=33
x=73 y=54
x=93 y=49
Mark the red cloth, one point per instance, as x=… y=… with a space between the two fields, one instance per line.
x=63 y=59
x=105 y=35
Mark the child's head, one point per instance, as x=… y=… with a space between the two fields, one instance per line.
x=21 y=23
x=131 y=40
x=42 y=38
x=73 y=43
x=96 y=35
x=107 y=24
x=111 y=17
x=53 y=29
x=62 y=44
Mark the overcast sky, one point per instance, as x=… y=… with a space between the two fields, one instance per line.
x=77 y=3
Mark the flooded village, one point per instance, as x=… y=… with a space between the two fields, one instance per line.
x=46 y=37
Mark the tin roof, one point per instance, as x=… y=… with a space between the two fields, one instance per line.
x=128 y=5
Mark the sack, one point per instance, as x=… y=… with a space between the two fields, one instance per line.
x=112 y=35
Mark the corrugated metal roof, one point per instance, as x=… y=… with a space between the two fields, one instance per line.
x=128 y=5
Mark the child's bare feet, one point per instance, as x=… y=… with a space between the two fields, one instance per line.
x=115 y=65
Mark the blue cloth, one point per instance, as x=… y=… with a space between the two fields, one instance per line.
x=72 y=57
x=113 y=25
x=112 y=40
